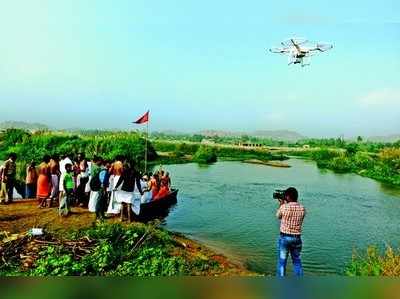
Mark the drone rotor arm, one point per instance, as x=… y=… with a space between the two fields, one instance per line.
x=279 y=50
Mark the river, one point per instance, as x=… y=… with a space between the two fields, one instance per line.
x=229 y=207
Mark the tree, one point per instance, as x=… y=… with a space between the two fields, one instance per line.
x=205 y=154
x=359 y=139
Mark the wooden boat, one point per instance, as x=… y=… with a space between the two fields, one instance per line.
x=158 y=208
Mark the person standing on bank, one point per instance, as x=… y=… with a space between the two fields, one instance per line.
x=31 y=180
x=291 y=214
x=9 y=173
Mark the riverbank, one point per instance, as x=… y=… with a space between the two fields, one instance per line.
x=185 y=256
x=383 y=166
x=268 y=163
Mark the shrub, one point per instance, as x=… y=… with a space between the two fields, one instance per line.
x=363 y=160
x=205 y=154
x=340 y=164
x=374 y=264
x=116 y=253
x=324 y=154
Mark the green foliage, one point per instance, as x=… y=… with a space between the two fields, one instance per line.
x=351 y=148
x=205 y=154
x=139 y=250
x=153 y=261
x=55 y=262
x=324 y=154
x=372 y=263
x=108 y=145
x=341 y=164
x=179 y=148
x=363 y=160
x=384 y=166
x=10 y=137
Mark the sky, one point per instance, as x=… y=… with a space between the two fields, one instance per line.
x=201 y=65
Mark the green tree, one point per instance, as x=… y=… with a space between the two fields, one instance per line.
x=205 y=154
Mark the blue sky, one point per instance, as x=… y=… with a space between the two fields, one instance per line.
x=201 y=65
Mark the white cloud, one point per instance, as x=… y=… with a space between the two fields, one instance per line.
x=385 y=97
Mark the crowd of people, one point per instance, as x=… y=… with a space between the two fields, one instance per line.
x=111 y=187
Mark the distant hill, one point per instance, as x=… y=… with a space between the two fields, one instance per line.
x=23 y=125
x=387 y=138
x=220 y=133
x=285 y=135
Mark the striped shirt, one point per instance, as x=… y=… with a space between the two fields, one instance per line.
x=291 y=215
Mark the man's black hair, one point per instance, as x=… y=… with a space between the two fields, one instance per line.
x=46 y=158
x=68 y=165
x=292 y=194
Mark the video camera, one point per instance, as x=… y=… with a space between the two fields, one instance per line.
x=279 y=194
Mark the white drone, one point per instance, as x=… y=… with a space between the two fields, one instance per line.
x=299 y=50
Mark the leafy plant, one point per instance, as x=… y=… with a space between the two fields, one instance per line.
x=372 y=263
x=205 y=154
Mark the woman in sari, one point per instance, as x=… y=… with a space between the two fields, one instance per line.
x=154 y=185
x=44 y=182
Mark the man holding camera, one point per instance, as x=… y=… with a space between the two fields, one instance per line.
x=291 y=214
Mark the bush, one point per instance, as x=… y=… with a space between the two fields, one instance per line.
x=391 y=157
x=374 y=264
x=352 y=148
x=341 y=164
x=141 y=250
x=324 y=154
x=363 y=160
x=205 y=154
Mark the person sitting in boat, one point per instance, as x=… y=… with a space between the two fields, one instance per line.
x=146 y=188
x=154 y=185
x=167 y=180
x=164 y=191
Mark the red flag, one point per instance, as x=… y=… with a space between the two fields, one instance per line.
x=143 y=119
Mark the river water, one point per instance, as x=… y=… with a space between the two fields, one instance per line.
x=229 y=207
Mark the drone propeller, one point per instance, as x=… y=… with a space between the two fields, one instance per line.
x=298 y=41
x=323 y=47
x=279 y=50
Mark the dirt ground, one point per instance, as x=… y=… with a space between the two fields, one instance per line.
x=20 y=216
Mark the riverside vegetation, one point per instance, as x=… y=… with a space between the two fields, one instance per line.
x=373 y=263
x=33 y=146
x=105 y=250
x=382 y=165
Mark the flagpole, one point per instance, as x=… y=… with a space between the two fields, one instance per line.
x=145 y=153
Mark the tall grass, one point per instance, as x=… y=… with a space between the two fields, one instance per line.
x=372 y=263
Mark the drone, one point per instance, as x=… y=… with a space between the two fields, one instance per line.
x=300 y=50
